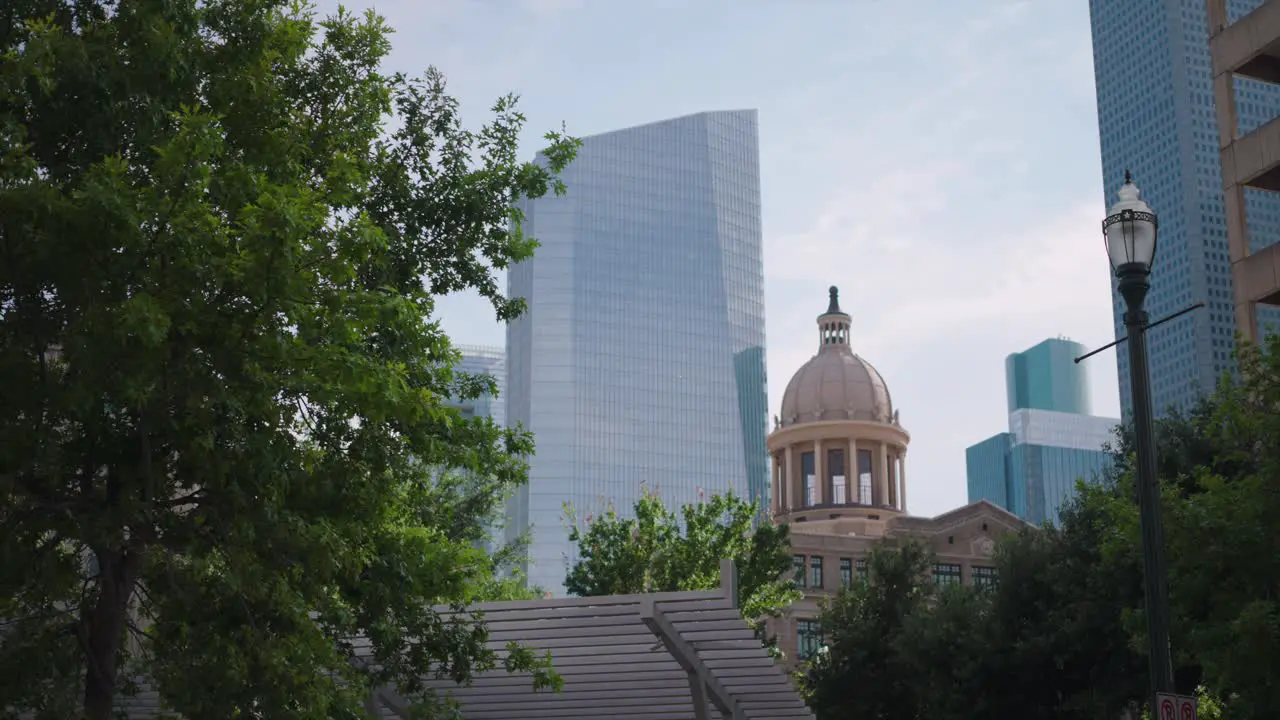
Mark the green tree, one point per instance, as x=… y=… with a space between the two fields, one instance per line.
x=1186 y=440
x=946 y=649
x=657 y=550
x=1057 y=629
x=469 y=506
x=1051 y=640
x=860 y=672
x=1224 y=546
x=223 y=228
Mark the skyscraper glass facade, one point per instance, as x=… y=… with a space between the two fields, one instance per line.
x=1052 y=441
x=491 y=361
x=484 y=360
x=1156 y=117
x=989 y=474
x=1046 y=377
x=640 y=361
x=1032 y=471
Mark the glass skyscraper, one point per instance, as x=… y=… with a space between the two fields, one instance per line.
x=1046 y=377
x=1052 y=441
x=640 y=361
x=491 y=361
x=1156 y=117
x=484 y=360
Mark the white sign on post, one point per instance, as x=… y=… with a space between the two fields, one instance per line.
x=1175 y=707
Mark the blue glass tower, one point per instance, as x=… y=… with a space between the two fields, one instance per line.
x=1156 y=117
x=640 y=361
x=1046 y=377
x=1052 y=441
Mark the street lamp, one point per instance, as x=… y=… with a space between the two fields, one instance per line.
x=1130 y=232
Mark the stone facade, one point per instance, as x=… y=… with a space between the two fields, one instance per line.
x=963 y=541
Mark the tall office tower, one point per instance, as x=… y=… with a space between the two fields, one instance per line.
x=1052 y=441
x=1156 y=117
x=484 y=360
x=640 y=361
x=491 y=361
x=1245 y=50
x=1046 y=377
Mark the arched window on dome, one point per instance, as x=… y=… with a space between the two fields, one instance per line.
x=834 y=333
x=836 y=488
x=864 y=477
x=809 y=493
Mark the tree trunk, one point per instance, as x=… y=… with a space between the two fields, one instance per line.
x=103 y=627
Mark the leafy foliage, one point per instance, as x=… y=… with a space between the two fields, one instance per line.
x=1038 y=645
x=1224 y=546
x=657 y=550
x=223 y=436
x=861 y=672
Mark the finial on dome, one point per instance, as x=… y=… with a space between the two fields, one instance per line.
x=834 y=306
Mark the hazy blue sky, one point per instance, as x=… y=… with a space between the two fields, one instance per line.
x=936 y=159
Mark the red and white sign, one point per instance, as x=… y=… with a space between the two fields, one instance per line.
x=1175 y=707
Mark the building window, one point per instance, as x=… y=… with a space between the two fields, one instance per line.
x=984 y=576
x=861 y=569
x=815 y=571
x=808 y=638
x=864 y=477
x=797 y=563
x=810 y=489
x=846 y=572
x=946 y=574
x=836 y=477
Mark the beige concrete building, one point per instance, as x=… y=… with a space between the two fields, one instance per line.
x=1250 y=48
x=840 y=480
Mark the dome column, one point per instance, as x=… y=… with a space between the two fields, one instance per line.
x=882 y=477
x=819 y=475
x=902 y=481
x=789 y=477
x=775 y=498
x=851 y=473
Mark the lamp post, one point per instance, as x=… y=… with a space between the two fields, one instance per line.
x=1130 y=232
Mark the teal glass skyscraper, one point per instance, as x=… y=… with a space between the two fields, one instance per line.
x=1052 y=440
x=1156 y=118
x=640 y=362
x=1046 y=377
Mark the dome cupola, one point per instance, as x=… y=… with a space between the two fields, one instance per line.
x=837 y=449
x=836 y=384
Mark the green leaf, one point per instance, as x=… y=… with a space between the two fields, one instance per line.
x=225 y=449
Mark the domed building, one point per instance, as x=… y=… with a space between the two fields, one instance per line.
x=839 y=454
x=838 y=449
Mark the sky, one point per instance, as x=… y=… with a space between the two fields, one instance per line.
x=937 y=160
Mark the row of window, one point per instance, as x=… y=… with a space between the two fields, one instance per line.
x=809 y=572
